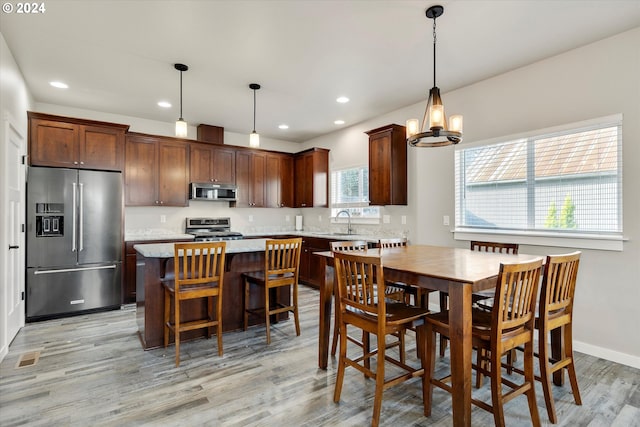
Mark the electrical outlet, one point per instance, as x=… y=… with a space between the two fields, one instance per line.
x=386 y=219
x=163 y=219
x=445 y=220
x=287 y=218
x=403 y=219
x=250 y=218
x=319 y=218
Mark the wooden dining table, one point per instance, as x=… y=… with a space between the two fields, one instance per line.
x=457 y=271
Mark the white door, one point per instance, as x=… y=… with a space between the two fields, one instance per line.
x=13 y=240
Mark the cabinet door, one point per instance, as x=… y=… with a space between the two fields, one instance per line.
x=101 y=148
x=258 y=174
x=224 y=165
x=286 y=182
x=273 y=184
x=173 y=174
x=141 y=172
x=243 y=161
x=303 y=182
x=200 y=166
x=379 y=168
x=53 y=143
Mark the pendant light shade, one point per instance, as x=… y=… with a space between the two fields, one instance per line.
x=434 y=131
x=254 y=137
x=181 y=125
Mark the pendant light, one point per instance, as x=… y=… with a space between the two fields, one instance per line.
x=434 y=131
x=254 y=137
x=181 y=125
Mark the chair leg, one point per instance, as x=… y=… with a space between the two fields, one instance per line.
x=219 y=320
x=366 y=347
x=267 y=316
x=443 y=306
x=176 y=311
x=377 y=400
x=429 y=353
x=341 y=362
x=167 y=316
x=336 y=331
x=529 y=377
x=545 y=375
x=496 y=389
x=401 y=339
x=295 y=308
x=246 y=304
x=571 y=368
x=209 y=314
x=481 y=362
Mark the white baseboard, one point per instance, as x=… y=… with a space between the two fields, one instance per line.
x=607 y=354
x=590 y=349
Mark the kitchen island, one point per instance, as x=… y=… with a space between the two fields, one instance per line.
x=155 y=261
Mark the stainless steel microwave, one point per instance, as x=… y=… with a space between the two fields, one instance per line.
x=212 y=192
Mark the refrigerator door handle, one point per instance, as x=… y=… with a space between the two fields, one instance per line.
x=81 y=222
x=66 y=270
x=73 y=219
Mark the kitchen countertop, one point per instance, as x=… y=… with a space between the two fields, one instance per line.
x=150 y=236
x=165 y=250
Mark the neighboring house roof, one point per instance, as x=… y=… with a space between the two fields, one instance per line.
x=585 y=152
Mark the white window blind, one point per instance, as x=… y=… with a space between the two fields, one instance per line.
x=567 y=181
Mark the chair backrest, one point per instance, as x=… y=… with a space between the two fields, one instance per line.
x=516 y=296
x=392 y=243
x=559 y=285
x=360 y=279
x=198 y=263
x=282 y=258
x=505 y=248
x=349 y=245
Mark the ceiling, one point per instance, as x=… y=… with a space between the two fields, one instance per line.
x=118 y=56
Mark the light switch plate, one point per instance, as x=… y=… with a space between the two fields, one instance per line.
x=386 y=219
x=445 y=220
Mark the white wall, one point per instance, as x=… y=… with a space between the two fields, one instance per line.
x=15 y=100
x=593 y=81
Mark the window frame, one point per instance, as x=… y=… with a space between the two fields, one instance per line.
x=351 y=206
x=556 y=238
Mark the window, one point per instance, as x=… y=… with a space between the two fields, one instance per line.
x=350 y=191
x=567 y=182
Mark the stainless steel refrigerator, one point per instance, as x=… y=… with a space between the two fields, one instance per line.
x=74 y=241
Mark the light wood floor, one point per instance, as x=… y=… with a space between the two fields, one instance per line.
x=92 y=371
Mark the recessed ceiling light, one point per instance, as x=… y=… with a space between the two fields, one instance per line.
x=164 y=104
x=339 y=122
x=342 y=99
x=59 y=85
x=283 y=126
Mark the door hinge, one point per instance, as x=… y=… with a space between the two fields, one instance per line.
x=24 y=159
x=22 y=295
x=22 y=227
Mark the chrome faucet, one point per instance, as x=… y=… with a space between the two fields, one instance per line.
x=349 y=229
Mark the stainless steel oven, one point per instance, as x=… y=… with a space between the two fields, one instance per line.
x=211 y=229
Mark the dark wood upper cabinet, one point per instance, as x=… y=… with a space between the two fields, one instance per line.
x=212 y=163
x=75 y=143
x=156 y=171
x=211 y=134
x=251 y=178
x=388 y=165
x=311 y=175
x=279 y=181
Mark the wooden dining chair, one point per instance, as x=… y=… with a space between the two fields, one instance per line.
x=509 y=324
x=199 y=273
x=360 y=280
x=555 y=310
x=404 y=291
x=281 y=266
x=348 y=245
x=504 y=248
